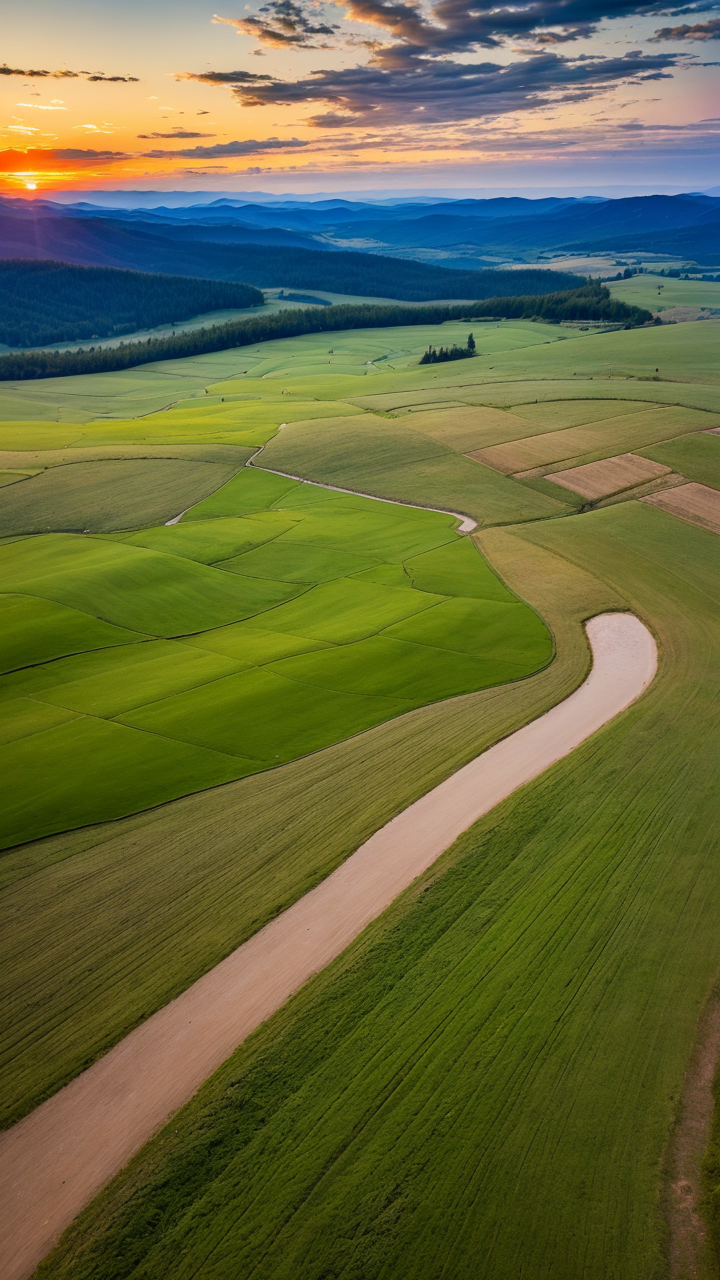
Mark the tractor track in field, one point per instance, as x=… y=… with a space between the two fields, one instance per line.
x=57 y=1158
x=688 y=1251
x=467 y=524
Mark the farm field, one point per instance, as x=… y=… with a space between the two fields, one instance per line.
x=599 y=479
x=255 y=638
x=695 y=456
x=281 y=671
x=694 y=502
x=440 y=1092
x=642 y=291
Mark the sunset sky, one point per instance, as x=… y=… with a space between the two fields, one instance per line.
x=291 y=95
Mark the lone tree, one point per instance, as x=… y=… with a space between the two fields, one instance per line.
x=470 y=343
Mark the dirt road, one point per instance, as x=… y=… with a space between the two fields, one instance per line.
x=57 y=1158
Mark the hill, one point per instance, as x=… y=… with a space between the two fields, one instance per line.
x=162 y=248
x=591 y=302
x=46 y=302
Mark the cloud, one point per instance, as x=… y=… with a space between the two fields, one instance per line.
x=64 y=74
x=700 y=31
x=76 y=153
x=113 y=79
x=250 y=147
x=408 y=89
x=545 y=38
x=42 y=159
x=445 y=27
x=176 y=133
x=281 y=23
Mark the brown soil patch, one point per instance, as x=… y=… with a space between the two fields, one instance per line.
x=681 y=315
x=688 y=1257
x=600 y=479
x=56 y=1159
x=696 y=503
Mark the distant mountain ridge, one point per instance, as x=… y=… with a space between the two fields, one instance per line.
x=360 y=247
x=38 y=232
x=499 y=225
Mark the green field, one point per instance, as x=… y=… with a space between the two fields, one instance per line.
x=484 y=1084
x=642 y=291
x=96 y=497
x=218 y=611
x=695 y=456
x=492 y=1070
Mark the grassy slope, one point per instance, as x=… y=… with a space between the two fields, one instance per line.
x=697 y=457
x=683 y=353
x=237 y=696
x=394 y=461
x=100 y=496
x=216 y=899
x=483 y=1084
x=642 y=291
x=166 y=894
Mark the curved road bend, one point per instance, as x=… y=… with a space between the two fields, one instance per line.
x=55 y=1160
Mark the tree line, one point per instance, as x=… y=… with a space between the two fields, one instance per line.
x=591 y=302
x=45 y=301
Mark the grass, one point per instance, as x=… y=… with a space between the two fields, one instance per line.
x=642 y=291
x=484 y=1082
x=100 y=496
x=93 y=768
x=491 y=1072
x=36 y=630
x=394 y=460
x=166 y=894
x=224 y=703
x=619 y=434
x=696 y=456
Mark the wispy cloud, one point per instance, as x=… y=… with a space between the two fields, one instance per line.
x=250 y=147
x=176 y=133
x=63 y=74
x=414 y=89
x=698 y=31
x=282 y=23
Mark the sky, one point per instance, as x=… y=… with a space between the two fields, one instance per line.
x=303 y=95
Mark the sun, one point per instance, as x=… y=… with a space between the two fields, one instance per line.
x=31 y=186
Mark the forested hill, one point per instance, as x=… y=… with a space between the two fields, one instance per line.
x=591 y=302
x=370 y=275
x=46 y=302
x=113 y=243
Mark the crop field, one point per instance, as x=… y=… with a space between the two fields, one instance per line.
x=697 y=503
x=221 y=709
x=97 y=497
x=598 y=479
x=659 y=293
x=492 y=1070
x=696 y=456
x=256 y=637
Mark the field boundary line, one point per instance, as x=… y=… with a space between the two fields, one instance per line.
x=467 y=524
x=56 y=1159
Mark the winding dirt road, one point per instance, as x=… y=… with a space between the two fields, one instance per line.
x=57 y=1158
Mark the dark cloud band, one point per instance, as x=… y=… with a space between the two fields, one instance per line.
x=63 y=74
x=416 y=90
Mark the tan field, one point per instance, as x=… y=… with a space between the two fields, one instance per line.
x=629 y=431
x=600 y=479
x=696 y=503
